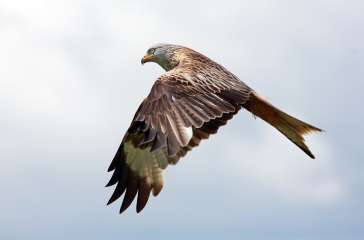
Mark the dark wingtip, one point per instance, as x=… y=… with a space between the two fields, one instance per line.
x=119 y=190
x=143 y=195
x=110 y=168
x=109 y=184
x=114 y=163
x=123 y=208
x=139 y=209
x=131 y=191
x=113 y=180
x=109 y=202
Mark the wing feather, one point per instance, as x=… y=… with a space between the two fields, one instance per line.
x=131 y=191
x=185 y=106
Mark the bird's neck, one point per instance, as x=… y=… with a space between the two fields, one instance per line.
x=168 y=63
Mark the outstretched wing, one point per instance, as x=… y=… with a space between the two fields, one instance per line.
x=184 y=106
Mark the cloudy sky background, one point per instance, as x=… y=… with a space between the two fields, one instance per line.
x=71 y=80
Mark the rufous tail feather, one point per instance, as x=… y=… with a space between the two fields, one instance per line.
x=293 y=128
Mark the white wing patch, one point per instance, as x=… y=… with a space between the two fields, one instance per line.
x=188 y=133
x=147 y=164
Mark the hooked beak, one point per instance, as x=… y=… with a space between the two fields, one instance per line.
x=147 y=58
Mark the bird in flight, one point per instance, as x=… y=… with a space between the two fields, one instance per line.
x=188 y=103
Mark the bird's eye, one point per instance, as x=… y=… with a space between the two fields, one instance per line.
x=151 y=51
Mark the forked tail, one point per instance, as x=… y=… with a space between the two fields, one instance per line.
x=289 y=126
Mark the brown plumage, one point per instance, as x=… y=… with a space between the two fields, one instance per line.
x=187 y=104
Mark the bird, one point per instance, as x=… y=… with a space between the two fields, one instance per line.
x=188 y=103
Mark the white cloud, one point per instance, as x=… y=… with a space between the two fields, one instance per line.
x=279 y=166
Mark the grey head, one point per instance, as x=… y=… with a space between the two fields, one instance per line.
x=166 y=55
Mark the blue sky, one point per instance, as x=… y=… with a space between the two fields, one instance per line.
x=71 y=80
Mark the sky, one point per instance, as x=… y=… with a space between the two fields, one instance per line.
x=71 y=80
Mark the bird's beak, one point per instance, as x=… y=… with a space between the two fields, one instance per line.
x=146 y=58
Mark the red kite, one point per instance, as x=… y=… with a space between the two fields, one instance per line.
x=190 y=101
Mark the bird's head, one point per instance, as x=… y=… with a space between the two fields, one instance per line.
x=166 y=55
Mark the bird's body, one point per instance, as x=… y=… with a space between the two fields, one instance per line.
x=186 y=104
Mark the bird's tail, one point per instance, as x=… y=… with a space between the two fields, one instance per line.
x=289 y=126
